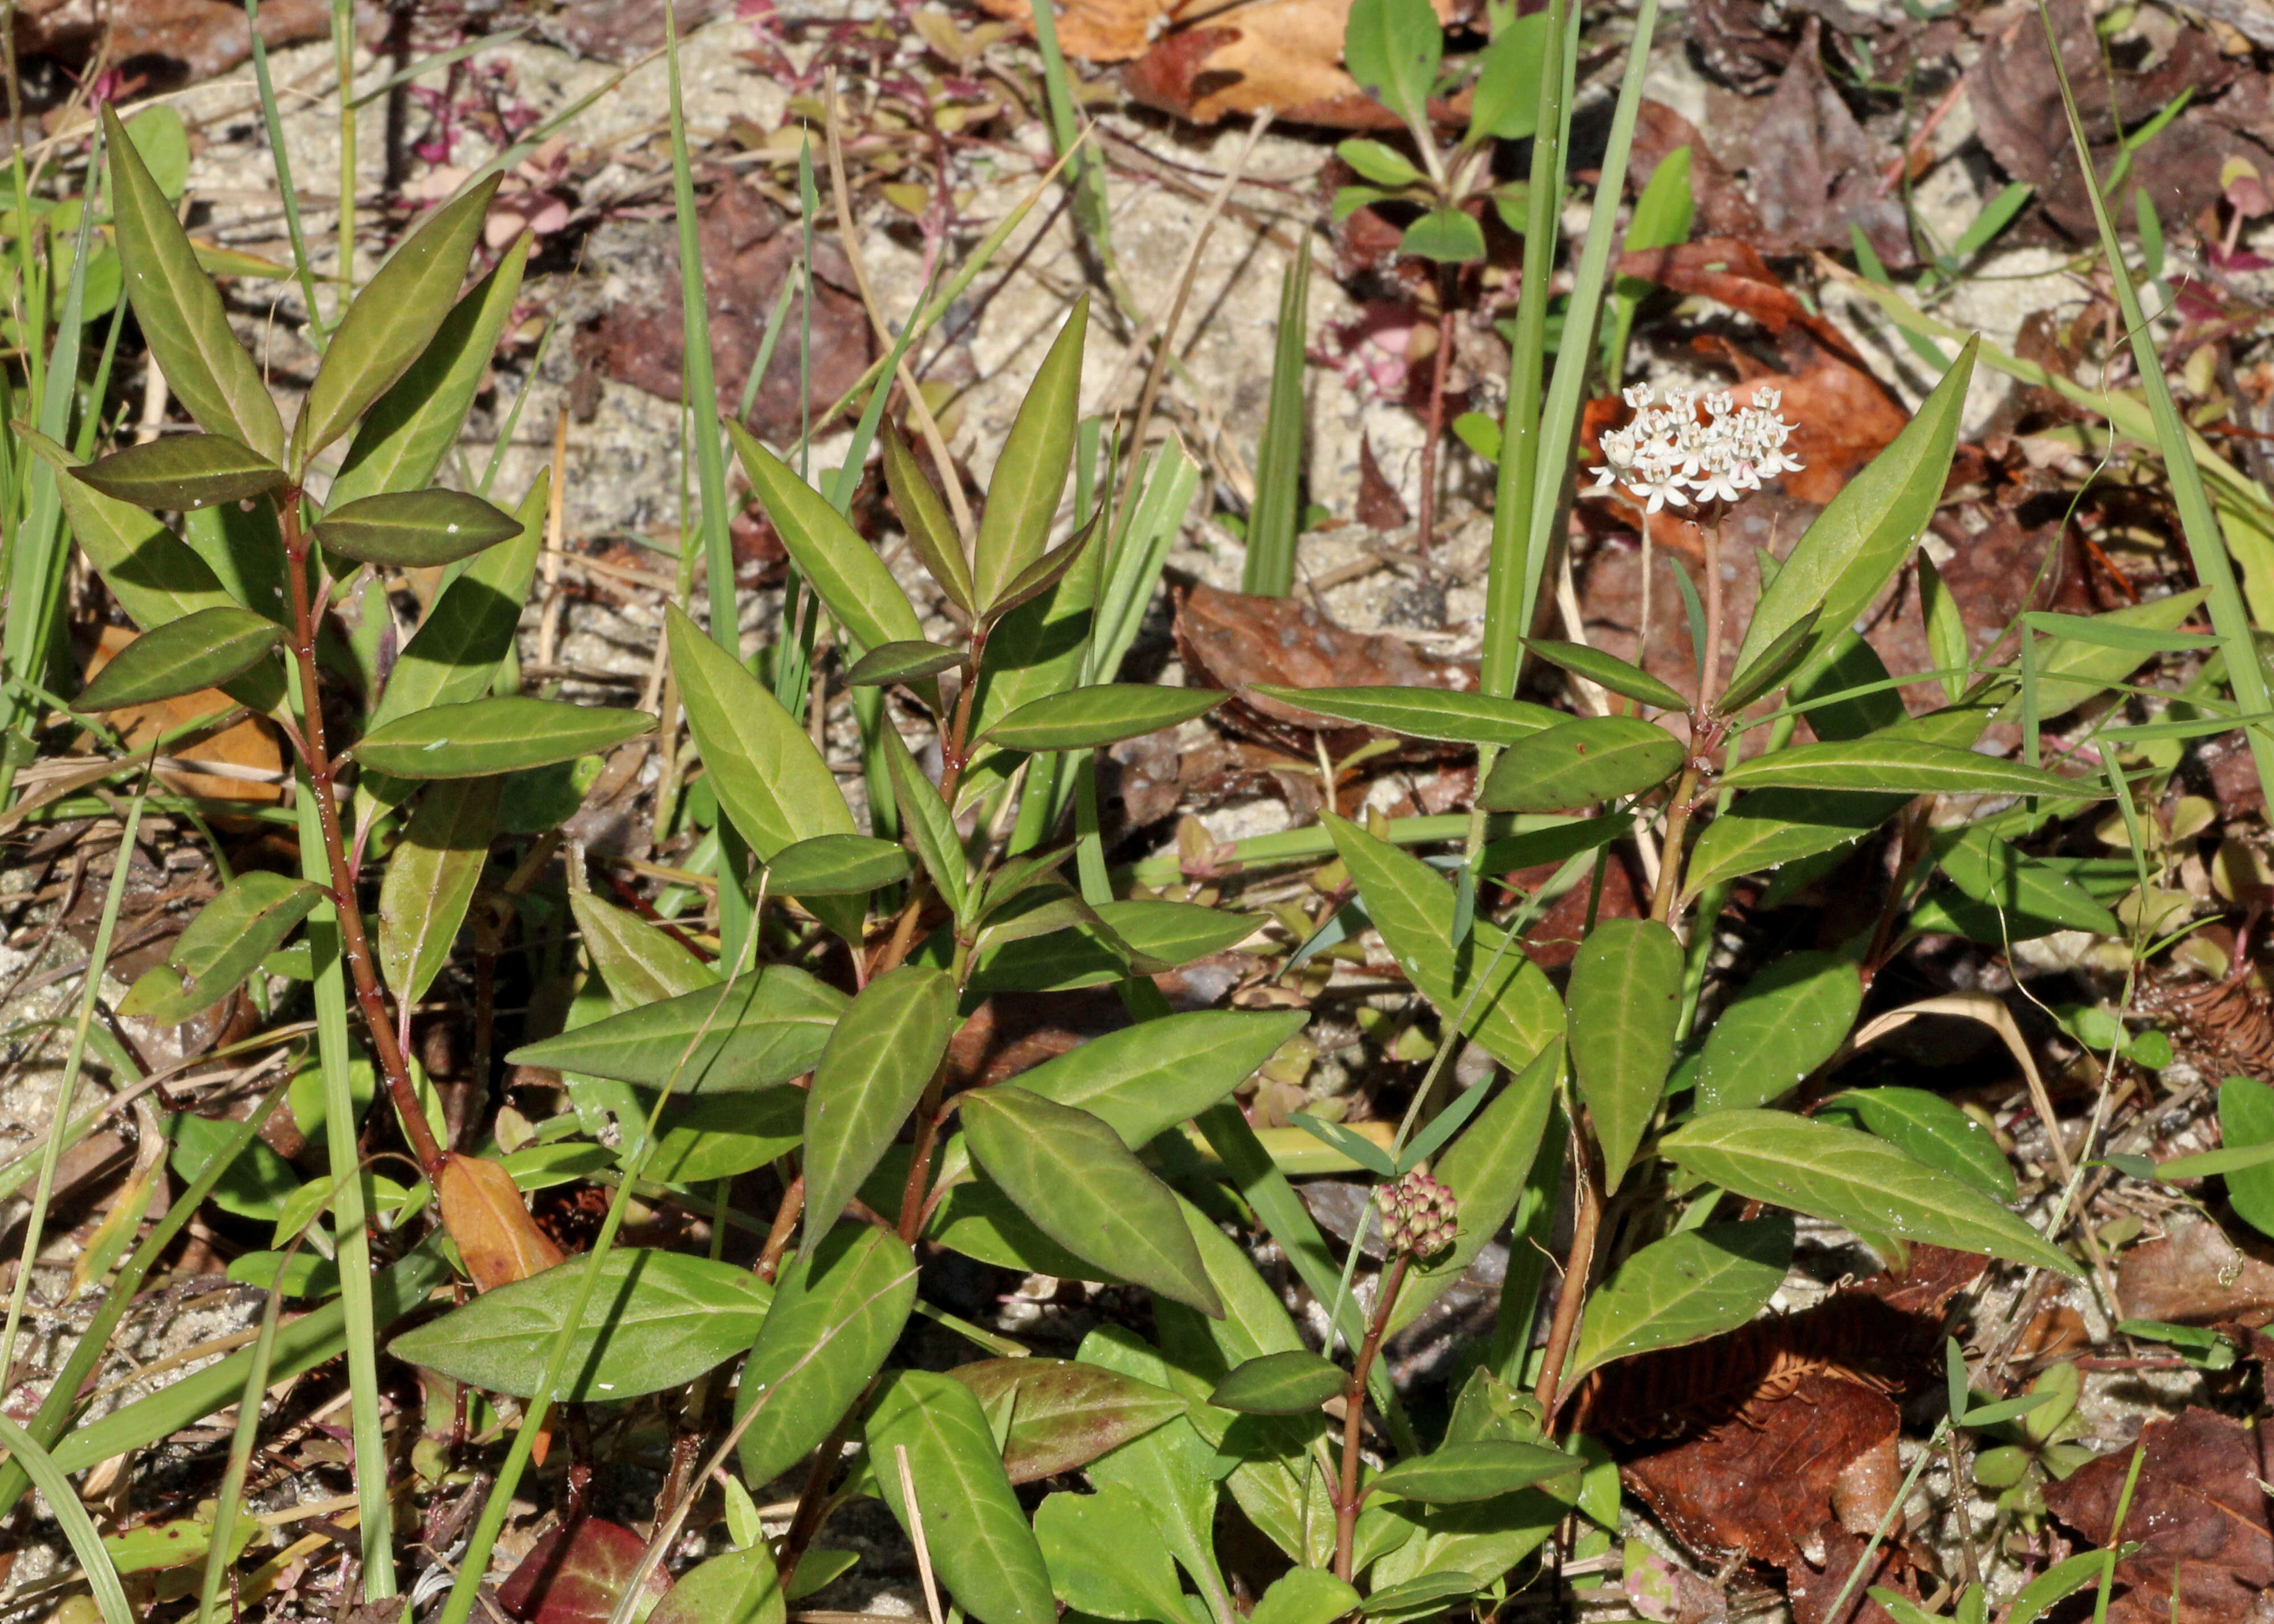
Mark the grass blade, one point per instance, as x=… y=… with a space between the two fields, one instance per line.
x=1276 y=519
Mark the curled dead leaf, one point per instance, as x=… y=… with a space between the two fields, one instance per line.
x=482 y=1209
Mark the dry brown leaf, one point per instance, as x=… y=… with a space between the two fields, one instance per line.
x=482 y=1209
x=1282 y=54
x=1097 y=30
x=248 y=745
x=2194 y=1276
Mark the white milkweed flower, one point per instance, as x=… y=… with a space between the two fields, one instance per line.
x=1668 y=452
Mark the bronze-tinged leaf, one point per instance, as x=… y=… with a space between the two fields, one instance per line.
x=576 y=1575
x=1065 y=1415
x=482 y=1209
x=183 y=470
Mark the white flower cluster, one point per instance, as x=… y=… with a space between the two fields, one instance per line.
x=1668 y=452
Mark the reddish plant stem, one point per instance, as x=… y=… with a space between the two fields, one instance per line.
x=784 y=1225
x=1577 y=1267
x=370 y=998
x=805 y=1522
x=1346 y=1500
x=955 y=746
x=913 y=1204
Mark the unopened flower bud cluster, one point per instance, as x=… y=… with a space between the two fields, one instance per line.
x=1669 y=454
x=1418 y=1215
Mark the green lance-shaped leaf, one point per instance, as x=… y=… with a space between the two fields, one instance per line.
x=1105 y=1560
x=1280 y=1383
x=835 y=865
x=1993 y=873
x=1859 y=542
x=1150 y=1076
x=928 y=825
x=1425 y=1593
x=454 y=656
x=656 y=1319
x=1029 y=478
x=1625 y=1001
x=740 y=1587
x=1448 y=236
x=1610 y=671
x=202 y=650
x=1576 y=764
x=772 y=782
x=1064 y=1415
x=391 y=321
x=223 y=944
x=484 y=736
x=1790 y=1019
x=977 y=1534
x=1778 y=659
x=429 y=881
x=926 y=522
x=848 y=1302
x=1424 y=712
x=758 y=1031
x=1948 y=644
x=911 y=663
x=1684 y=1289
x=1851 y=1179
x=2245 y=1121
x=1516 y=1014
x=1933 y=1130
x=723 y=1135
x=1392 y=48
x=414 y=529
x=179 y=310
x=183 y=470
x=2071 y=671
x=1082 y=718
x=1305 y=1596
x=156 y=577
x=1904 y=766
x=640 y=964
x=409 y=429
x=1461 y=1472
x=870 y=1078
x=1071 y=1175
x=1506 y=105
x=844 y=569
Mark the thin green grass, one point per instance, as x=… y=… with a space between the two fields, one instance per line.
x=1276 y=519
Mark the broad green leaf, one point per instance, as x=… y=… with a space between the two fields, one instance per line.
x=1036 y=649
x=2071 y=671
x=484 y=736
x=1608 y=671
x=182 y=470
x=925 y=521
x=1043 y=574
x=771 y=782
x=1624 y=1002
x=1506 y=105
x=179 y=309
x=1791 y=1018
x=980 y=1543
x=1770 y=828
x=1993 y=873
x=655 y=1319
x=256 y=1184
x=223 y=944
x=1064 y=1415
x=1854 y=1180
x=1576 y=764
x=1171 y=1471
x=1424 y=712
x=1384 y=166
x=1150 y=1076
x=1932 y=1129
x=1255 y=1320
x=1684 y=1289
x=1160 y=932
x=202 y=650
x=1460 y=1472
x=392 y=320
x=1423 y=1595
x=1902 y=766
x=148 y=569
x=723 y=1135
x=885 y=1047
x=1085 y=718
x=902 y=662
x=1771 y=666
x=454 y=656
x=1070 y=1173
x=1280 y=1383
x=740 y=1587
x=242 y=544
x=1022 y=496
x=1392 y=48
x=1858 y=543
x=1947 y=642
x=414 y=529
x=1849 y=664
x=976 y=1219
x=1486 y=1169
x=2246 y=1120
x=1448 y=236
x=640 y=964
x=835 y=1316
x=761 y=1029
x=928 y=825
x=1514 y=1014
x=409 y=430
x=429 y=881
x=835 y=865
x=2059 y=1583
x=1105 y=1561
x=163 y=141
x=844 y=569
